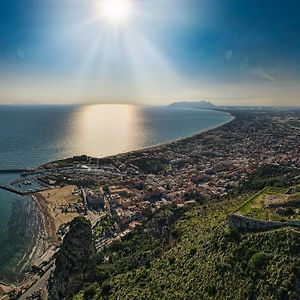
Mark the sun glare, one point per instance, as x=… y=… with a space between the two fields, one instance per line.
x=115 y=11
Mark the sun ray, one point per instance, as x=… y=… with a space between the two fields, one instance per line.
x=126 y=60
x=115 y=12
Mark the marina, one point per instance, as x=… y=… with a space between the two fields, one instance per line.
x=24 y=183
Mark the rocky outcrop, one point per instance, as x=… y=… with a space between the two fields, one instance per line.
x=75 y=261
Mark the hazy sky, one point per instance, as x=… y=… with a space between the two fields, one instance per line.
x=230 y=52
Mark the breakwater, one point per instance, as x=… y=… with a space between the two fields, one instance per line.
x=16 y=170
x=12 y=190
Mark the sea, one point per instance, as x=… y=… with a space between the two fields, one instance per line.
x=33 y=135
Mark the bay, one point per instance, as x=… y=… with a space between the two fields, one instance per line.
x=33 y=135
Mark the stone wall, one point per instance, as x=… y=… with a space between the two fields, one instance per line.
x=293 y=223
x=238 y=221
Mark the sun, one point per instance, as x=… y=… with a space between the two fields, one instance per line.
x=115 y=11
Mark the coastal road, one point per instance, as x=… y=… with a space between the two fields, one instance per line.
x=41 y=283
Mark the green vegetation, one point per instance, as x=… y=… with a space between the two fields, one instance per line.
x=206 y=260
x=194 y=255
x=272 y=175
x=259 y=260
x=75 y=262
x=139 y=249
x=273 y=204
x=152 y=165
x=104 y=226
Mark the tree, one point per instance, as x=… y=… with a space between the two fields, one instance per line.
x=75 y=263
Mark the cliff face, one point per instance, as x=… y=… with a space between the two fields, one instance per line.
x=75 y=260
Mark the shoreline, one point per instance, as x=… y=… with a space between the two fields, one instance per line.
x=136 y=150
x=32 y=231
x=38 y=197
x=156 y=146
x=206 y=166
x=164 y=144
x=45 y=219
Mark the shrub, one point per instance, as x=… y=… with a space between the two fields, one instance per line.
x=211 y=290
x=232 y=234
x=193 y=251
x=105 y=289
x=258 y=260
x=89 y=292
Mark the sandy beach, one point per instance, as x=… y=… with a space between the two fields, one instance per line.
x=54 y=207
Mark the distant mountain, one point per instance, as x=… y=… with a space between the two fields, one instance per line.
x=193 y=104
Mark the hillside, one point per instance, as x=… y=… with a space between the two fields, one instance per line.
x=193 y=104
x=75 y=260
x=211 y=262
x=200 y=259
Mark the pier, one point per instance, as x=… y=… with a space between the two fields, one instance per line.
x=12 y=190
x=17 y=170
x=22 y=173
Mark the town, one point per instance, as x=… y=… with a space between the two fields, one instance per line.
x=118 y=193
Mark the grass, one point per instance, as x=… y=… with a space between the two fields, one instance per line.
x=208 y=261
x=255 y=206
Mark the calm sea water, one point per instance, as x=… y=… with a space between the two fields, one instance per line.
x=32 y=135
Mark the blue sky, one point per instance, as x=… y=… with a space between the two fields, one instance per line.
x=230 y=52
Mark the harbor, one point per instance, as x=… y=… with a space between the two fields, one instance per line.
x=21 y=181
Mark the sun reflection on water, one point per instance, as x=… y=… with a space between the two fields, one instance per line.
x=101 y=130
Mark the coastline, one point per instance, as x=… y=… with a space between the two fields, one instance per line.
x=38 y=199
x=208 y=165
x=48 y=224
x=156 y=146
x=47 y=229
x=26 y=225
x=178 y=140
x=42 y=207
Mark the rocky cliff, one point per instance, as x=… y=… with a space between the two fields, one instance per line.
x=75 y=260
